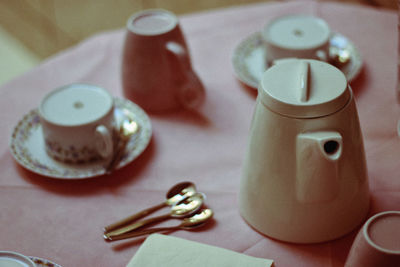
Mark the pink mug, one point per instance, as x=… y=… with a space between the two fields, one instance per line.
x=156 y=69
x=378 y=242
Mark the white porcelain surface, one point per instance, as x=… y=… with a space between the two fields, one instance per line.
x=27 y=146
x=77 y=123
x=156 y=69
x=76 y=104
x=304 y=89
x=14 y=259
x=152 y=23
x=297 y=36
x=300 y=174
x=249 y=58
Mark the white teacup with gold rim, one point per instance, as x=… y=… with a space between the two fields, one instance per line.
x=296 y=36
x=78 y=123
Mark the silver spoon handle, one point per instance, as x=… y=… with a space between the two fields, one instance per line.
x=134 y=217
x=136 y=225
x=140 y=233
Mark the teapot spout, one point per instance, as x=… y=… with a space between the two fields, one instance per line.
x=317 y=157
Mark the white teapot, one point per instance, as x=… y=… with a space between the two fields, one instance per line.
x=304 y=175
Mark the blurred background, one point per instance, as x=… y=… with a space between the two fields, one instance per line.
x=33 y=30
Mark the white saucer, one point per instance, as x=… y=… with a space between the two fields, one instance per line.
x=249 y=58
x=43 y=262
x=27 y=146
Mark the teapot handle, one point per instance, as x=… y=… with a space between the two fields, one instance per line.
x=317 y=158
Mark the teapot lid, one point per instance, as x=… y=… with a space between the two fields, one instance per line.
x=304 y=88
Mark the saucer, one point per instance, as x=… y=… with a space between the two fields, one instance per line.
x=27 y=146
x=249 y=58
x=43 y=262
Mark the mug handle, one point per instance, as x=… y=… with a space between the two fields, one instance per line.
x=103 y=141
x=191 y=91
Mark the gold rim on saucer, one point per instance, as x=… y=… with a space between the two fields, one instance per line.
x=27 y=147
x=43 y=262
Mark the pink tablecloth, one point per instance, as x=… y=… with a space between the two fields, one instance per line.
x=62 y=220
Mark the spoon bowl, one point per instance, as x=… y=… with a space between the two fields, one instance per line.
x=180 y=191
x=339 y=57
x=190 y=223
x=197 y=219
x=128 y=128
x=187 y=207
x=175 y=194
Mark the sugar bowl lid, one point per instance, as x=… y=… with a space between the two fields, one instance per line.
x=304 y=88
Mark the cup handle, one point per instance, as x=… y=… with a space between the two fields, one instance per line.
x=191 y=91
x=104 y=142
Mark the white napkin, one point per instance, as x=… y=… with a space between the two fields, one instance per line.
x=168 y=251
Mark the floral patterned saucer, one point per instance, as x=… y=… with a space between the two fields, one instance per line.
x=43 y=262
x=249 y=58
x=27 y=146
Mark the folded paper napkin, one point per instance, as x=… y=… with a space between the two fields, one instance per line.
x=168 y=251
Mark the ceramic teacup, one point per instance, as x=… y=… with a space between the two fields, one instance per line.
x=296 y=36
x=77 y=122
x=377 y=243
x=156 y=67
x=10 y=258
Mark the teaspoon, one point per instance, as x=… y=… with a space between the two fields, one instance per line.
x=189 y=223
x=128 y=128
x=183 y=209
x=339 y=57
x=174 y=195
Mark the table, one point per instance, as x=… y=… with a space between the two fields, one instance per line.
x=62 y=220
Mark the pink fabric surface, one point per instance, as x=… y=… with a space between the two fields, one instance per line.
x=62 y=220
